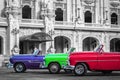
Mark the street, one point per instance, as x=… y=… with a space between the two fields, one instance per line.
x=43 y=74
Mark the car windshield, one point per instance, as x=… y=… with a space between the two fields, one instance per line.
x=70 y=50
x=36 y=52
x=98 y=48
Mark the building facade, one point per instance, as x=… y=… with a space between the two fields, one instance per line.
x=82 y=24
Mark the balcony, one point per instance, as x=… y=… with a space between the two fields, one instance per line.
x=115 y=26
x=35 y=23
x=3 y=22
x=31 y=23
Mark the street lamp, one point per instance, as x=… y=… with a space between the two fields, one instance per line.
x=13 y=12
x=15 y=49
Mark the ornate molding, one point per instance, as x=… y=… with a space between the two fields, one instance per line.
x=114 y=3
x=67 y=35
x=13 y=7
x=89 y=1
x=113 y=36
x=93 y=35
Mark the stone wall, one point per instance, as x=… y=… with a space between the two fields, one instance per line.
x=1 y=60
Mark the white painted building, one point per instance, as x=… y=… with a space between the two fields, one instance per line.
x=82 y=24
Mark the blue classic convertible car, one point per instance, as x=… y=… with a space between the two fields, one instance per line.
x=22 y=62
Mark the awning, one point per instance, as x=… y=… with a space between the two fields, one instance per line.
x=37 y=37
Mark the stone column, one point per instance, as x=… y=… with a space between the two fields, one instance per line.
x=107 y=12
x=12 y=11
x=48 y=16
x=81 y=13
x=69 y=10
x=97 y=12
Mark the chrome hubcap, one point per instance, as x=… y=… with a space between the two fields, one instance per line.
x=79 y=69
x=19 y=67
x=54 y=68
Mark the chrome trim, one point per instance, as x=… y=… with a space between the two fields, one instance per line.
x=30 y=61
x=97 y=60
x=69 y=67
x=9 y=65
x=42 y=65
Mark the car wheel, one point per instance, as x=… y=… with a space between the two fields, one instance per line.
x=19 y=67
x=106 y=72
x=80 y=69
x=54 y=68
x=68 y=70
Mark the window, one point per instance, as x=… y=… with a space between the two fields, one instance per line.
x=88 y=17
x=26 y=12
x=59 y=14
x=114 y=19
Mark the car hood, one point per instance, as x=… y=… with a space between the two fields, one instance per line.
x=56 y=54
x=84 y=52
x=22 y=55
x=25 y=55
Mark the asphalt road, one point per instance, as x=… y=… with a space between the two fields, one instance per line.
x=9 y=74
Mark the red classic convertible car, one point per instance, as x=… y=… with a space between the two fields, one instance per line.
x=97 y=60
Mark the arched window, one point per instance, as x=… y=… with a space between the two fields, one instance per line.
x=62 y=44
x=59 y=14
x=114 y=19
x=89 y=44
x=26 y=12
x=115 y=45
x=88 y=17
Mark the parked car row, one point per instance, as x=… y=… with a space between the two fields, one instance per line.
x=77 y=62
x=54 y=62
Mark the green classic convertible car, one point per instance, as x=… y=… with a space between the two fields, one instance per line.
x=54 y=62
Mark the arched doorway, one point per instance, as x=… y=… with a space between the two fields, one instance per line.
x=114 y=19
x=89 y=44
x=27 y=47
x=1 y=45
x=62 y=44
x=36 y=40
x=59 y=14
x=88 y=17
x=115 y=45
x=26 y=12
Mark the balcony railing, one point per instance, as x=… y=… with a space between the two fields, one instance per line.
x=94 y=25
x=115 y=26
x=61 y=24
x=32 y=21
x=3 y=20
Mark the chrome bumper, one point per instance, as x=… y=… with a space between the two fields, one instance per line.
x=68 y=67
x=9 y=65
x=42 y=65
